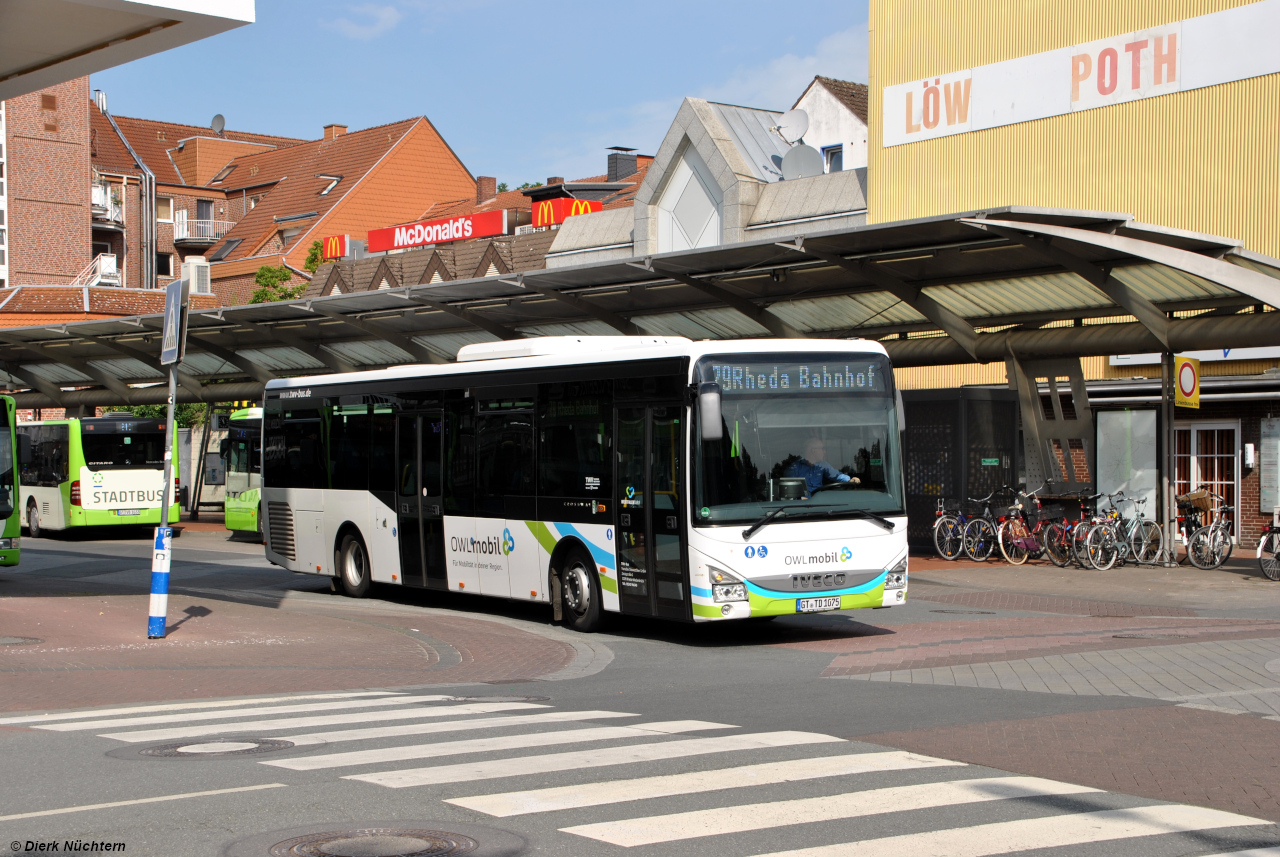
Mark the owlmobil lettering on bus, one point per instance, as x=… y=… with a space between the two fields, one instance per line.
x=481 y=225
x=1234 y=44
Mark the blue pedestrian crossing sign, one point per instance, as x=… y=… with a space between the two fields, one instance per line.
x=174 y=341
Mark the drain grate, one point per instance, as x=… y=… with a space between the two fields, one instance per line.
x=20 y=641
x=215 y=749
x=376 y=842
x=967 y=612
x=1140 y=636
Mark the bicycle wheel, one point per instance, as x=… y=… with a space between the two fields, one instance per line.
x=1147 y=541
x=1101 y=548
x=948 y=537
x=1079 y=536
x=1269 y=555
x=1013 y=554
x=1207 y=548
x=979 y=539
x=1057 y=544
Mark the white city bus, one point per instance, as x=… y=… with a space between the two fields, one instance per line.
x=655 y=476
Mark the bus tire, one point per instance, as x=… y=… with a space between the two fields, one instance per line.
x=33 y=519
x=580 y=588
x=353 y=566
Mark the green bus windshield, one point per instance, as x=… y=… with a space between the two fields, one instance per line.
x=123 y=449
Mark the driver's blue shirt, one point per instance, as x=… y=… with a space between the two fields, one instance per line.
x=815 y=475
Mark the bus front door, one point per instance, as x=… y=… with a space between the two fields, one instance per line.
x=652 y=579
x=420 y=529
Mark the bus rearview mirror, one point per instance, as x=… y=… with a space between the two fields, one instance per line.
x=224 y=448
x=709 y=417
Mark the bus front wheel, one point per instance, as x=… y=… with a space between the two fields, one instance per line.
x=33 y=519
x=353 y=566
x=580 y=590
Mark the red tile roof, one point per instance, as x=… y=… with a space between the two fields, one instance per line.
x=152 y=141
x=850 y=94
x=27 y=306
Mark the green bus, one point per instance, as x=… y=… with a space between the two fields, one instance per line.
x=10 y=538
x=91 y=472
x=242 y=454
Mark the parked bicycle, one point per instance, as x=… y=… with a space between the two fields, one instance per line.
x=1018 y=537
x=1119 y=539
x=1269 y=549
x=1210 y=546
x=980 y=539
x=948 y=530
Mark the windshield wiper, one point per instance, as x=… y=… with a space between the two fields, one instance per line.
x=872 y=516
x=751 y=530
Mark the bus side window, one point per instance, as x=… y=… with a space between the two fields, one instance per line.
x=504 y=454
x=573 y=441
x=59 y=455
x=26 y=455
x=459 y=456
x=349 y=447
x=382 y=449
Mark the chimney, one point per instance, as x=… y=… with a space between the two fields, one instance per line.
x=486 y=188
x=555 y=180
x=333 y=131
x=100 y=98
x=621 y=165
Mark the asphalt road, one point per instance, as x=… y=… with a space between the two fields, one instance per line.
x=662 y=740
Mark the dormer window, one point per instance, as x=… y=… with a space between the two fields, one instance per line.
x=226 y=171
x=333 y=182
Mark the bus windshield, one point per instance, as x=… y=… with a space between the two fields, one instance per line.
x=244 y=449
x=6 y=472
x=104 y=450
x=817 y=431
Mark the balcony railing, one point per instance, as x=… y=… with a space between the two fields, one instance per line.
x=200 y=231
x=101 y=271
x=105 y=207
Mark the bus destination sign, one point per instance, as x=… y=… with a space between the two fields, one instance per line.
x=818 y=376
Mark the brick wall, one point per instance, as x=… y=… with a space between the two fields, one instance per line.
x=235 y=291
x=1250 y=415
x=48 y=174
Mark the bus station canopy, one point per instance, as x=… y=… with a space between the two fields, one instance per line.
x=974 y=287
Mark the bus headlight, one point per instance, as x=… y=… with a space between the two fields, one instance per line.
x=726 y=587
x=9 y=544
x=896 y=577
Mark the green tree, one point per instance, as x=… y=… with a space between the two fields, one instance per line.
x=271 y=285
x=314 y=257
x=529 y=185
x=184 y=415
x=502 y=187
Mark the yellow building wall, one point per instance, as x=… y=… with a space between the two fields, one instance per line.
x=1206 y=160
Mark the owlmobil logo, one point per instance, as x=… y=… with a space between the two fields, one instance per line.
x=508 y=543
x=845 y=554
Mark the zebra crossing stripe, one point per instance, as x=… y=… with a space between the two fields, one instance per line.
x=186 y=706
x=761 y=816
x=596 y=758
x=623 y=791
x=488 y=745
x=452 y=726
x=318 y=720
x=1055 y=831
x=1252 y=852
x=191 y=716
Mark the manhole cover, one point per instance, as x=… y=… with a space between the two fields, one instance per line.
x=967 y=612
x=212 y=749
x=1150 y=636
x=501 y=699
x=376 y=842
x=20 y=641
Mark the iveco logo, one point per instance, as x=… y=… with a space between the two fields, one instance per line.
x=817 y=581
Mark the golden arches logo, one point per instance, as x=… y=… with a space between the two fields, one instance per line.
x=544 y=214
x=334 y=247
x=580 y=206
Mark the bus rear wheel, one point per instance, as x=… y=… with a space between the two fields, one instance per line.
x=580 y=588
x=353 y=567
x=33 y=519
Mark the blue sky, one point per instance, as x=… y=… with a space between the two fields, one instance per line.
x=521 y=90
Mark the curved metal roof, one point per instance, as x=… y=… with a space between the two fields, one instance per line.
x=963 y=279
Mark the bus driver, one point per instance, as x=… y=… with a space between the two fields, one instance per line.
x=815 y=469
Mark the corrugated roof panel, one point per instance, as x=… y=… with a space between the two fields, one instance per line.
x=448 y=344
x=702 y=324
x=1030 y=294
x=577 y=328
x=204 y=363
x=286 y=359
x=845 y=312
x=1160 y=284
x=56 y=373
x=371 y=352
x=127 y=369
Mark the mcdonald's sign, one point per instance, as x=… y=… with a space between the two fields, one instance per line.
x=335 y=246
x=549 y=211
x=481 y=225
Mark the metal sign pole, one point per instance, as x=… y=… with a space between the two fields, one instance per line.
x=1170 y=482
x=162 y=549
x=173 y=342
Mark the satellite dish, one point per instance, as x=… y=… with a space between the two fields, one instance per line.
x=801 y=162
x=219 y=122
x=793 y=124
